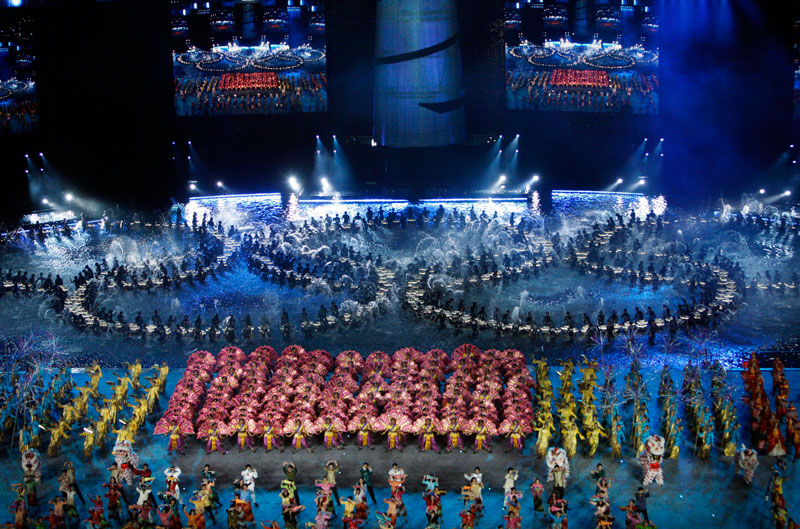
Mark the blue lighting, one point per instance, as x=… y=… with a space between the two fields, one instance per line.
x=15 y=3
x=487 y=200
x=254 y=196
x=351 y=201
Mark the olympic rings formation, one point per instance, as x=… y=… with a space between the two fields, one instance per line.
x=617 y=59
x=279 y=60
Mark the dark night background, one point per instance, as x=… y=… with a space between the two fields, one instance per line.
x=107 y=120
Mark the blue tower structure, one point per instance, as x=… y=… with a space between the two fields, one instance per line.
x=419 y=93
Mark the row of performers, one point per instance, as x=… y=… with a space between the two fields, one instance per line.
x=395 y=427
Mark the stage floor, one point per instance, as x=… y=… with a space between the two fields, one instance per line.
x=702 y=493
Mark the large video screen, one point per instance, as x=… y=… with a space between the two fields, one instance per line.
x=18 y=109
x=796 y=58
x=249 y=57
x=582 y=56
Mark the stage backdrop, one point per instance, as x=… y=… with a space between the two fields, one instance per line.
x=249 y=57
x=596 y=56
x=419 y=95
x=18 y=106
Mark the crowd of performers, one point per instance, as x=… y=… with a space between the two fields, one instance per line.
x=293 y=92
x=135 y=497
x=284 y=400
x=18 y=116
x=587 y=91
x=40 y=410
x=611 y=253
x=439 y=401
x=766 y=426
x=322 y=255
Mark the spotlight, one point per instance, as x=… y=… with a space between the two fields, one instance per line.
x=502 y=178
x=517 y=135
x=219 y=183
x=45 y=201
x=317 y=152
x=535 y=178
x=193 y=186
x=790 y=146
x=501 y=150
x=294 y=184
x=324 y=181
x=40 y=154
x=173 y=143
x=26 y=156
x=68 y=197
x=516 y=151
x=190 y=143
x=41 y=169
x=647 y=154
x=762 y=191
x=662 y=139
x=619 y=181
x=645 y=139
x=188 y=157
x=317 y=136
x=334 y=136
x=26 y=171
x=787 y=193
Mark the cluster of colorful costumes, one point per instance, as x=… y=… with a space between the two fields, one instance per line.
x=765 y=423
x=57 y=409
x=301 y=394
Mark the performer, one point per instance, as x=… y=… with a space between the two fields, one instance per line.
x=331 y=433
x=427 y=436
x=212 y=434
x=515 y=433
x=537 y=489
x=272 y=439
x=776 y=445
x=249 y=476
x=331 y=470
x=363 y=433
x=483 y=436
x=394 y=436
x=173 y=487
x=508 y=484
x=244 y=431
x=299 y=433
x=454 y=426
x=747 y=462
x=366 y=476
x=290 y=471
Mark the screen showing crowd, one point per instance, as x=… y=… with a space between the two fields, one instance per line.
x=249 y=57
x=582 y=56
x=18 y=112
x=796 y=63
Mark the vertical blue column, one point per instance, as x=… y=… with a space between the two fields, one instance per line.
x=419 y=94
